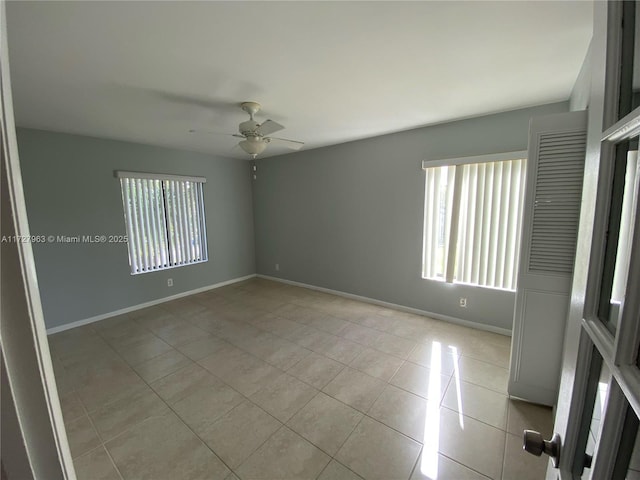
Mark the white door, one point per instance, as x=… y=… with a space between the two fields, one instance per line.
x=598 y=405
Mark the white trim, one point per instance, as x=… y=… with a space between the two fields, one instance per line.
x=158 y=176
x=403 y=308
x=494 y=157
x=624 y=129
x=97 y=318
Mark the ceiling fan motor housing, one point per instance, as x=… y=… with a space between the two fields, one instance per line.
x=249 y=128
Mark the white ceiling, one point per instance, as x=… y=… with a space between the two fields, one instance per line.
x=330 y=72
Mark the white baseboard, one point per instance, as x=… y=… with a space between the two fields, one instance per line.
x=97 y=318
x=437 y=316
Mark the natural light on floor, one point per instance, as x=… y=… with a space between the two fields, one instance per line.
x=456 y=378
x=431 y=437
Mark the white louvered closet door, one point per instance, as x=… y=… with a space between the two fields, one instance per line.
x=551 y=215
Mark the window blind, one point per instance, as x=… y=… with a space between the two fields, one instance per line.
x=165 y=222
x=473 y=215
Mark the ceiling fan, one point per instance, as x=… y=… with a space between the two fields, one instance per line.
x=255 y=136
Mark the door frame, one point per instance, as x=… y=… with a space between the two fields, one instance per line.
x=38 y=433
x=584 y=330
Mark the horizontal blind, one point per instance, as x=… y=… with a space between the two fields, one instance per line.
x=490 y=214
x=557 y=201
x=165 y=222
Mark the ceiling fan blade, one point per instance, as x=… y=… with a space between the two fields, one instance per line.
x=292 y=144
x=269 y=126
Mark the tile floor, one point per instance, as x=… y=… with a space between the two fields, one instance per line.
x=266 y=381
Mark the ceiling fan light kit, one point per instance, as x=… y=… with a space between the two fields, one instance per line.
x=255 y=134
x=254 y=145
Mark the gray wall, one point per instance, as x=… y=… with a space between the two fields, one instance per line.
x=350 y=217
x=581 y=91
x=70 y=189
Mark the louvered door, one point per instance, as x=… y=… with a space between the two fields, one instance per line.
x=555 y=170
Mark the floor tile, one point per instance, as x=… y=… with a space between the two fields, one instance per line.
x=284 y=396
x=71 y=406
x=81 y=368
x=484 y=374
x=274 y=350
x=75 y=349
x=161 y=366
x=377 y=364
x=286 y=355
x=184 y=382
x=417 y=331
x=61 y=342
x=146 y=349
x=82 y=436
x=184 y=308
x=330 y=324
x=487 y=352
x=336 y=471
x=237 y=434
x=125 y=331
x=436 y=353
x=204 y=405
x=316 y=370
x=164 y=448
x=225 y=360
x=377 y=322
x=202 y=347
x=420 y=380
x=310 y=338
x=477 y=402
x=325 y=422
x=276 y=325
x=96 y=465
x=286 y=455
x=460 y=437
x=157 y=318
x=433 y=466
x=402 y=411
x=340 y=350
x=180 y=333
x=212 y=323
x=116 y=417
x=528 y=416
x=394 y=345
x=251 y=376
x=235 y=332
x=107 y=386
x=359 y=334
x=521 y=465
x=376 y=452
x=263 y=350
x=355 y=388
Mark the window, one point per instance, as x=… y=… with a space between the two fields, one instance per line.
x=165 y=222
x=472 y=218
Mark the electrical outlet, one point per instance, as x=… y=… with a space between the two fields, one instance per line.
x=170 y=282
x=277 y=267
x=463 y=302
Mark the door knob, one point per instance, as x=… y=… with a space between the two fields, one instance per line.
x=536 y=445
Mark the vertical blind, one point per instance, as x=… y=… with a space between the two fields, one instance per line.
x=473 y=215
x=164 y=219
